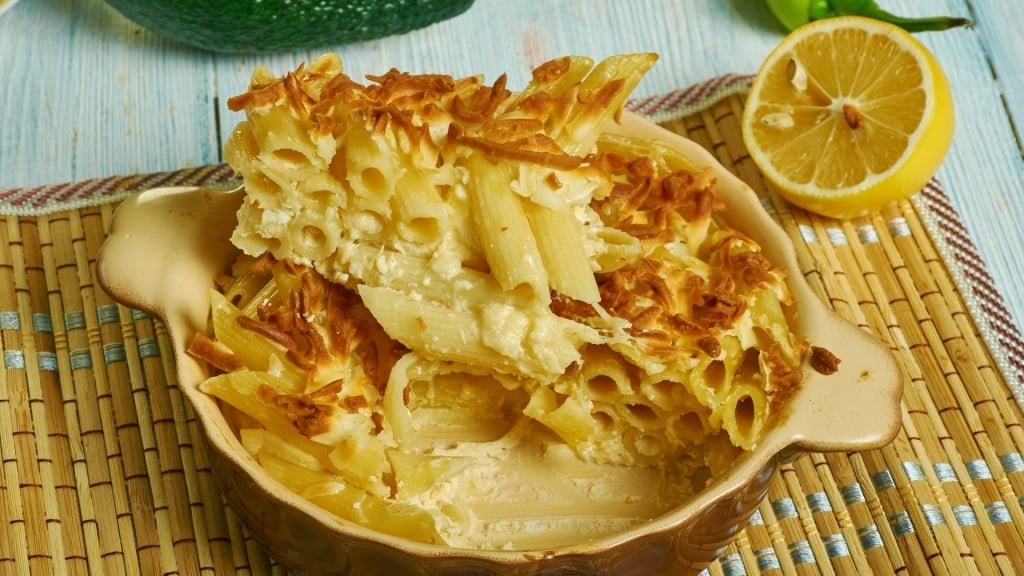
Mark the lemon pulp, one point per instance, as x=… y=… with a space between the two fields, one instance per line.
x=847 y=115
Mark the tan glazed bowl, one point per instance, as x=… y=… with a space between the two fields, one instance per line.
x=166 y=245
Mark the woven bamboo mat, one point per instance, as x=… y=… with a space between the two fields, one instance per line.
x=104 y=472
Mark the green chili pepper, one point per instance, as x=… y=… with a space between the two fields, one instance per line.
x=795 y=13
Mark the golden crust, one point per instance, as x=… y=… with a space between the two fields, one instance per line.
x=673 y=311
x=412 y=103
x=217 y=354
x=310 y=413
x=319 y=325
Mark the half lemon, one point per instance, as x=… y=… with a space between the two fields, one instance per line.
x=847 y=115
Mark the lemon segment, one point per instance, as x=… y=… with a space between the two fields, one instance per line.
x=847 y=115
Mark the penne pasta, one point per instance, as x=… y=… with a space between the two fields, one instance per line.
x=244 y=390
x=256 y=352
x=420 y=214
x=601 y=95
x=742 y=414
x=558 y=81
x=247 y=289
x=352 y=504
x=617 y=249
x=409 y=368
x=284 y=144
x=605 y=375
x=369 y=164
x=569 y=417
x=501 y=222
x=321 y=192
x=439 y=331
x=468 y=316
x=261 y=441
x=560 y=245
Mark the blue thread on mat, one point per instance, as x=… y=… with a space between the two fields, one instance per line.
x=867 y=234
x=965 y=515
x=835 y=545
x=998 y=513
x=767 y=560
x=784 y=508
x=898 y=227
x=139 y=315
x=883 y=480
x=81 y=358
x=945 y=472
x=768 y=205
x=836 y=236
x=901 y=523
x=819 y=502
x=869 y=537
x=108 y=314
x=1012 y=462
x=14 y=359
x=801 y=552
x=933 y=514
x=42 y=323
x=10 y=321
x=913 y=471
x=732 y=565
x=807 y=233
x=47 y=361
x=114 y=352
x=148 y=348
x=852 y=493
x=756 y=519
x=978 y=470
x=74 y=320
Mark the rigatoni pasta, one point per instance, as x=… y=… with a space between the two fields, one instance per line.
x=477 y=314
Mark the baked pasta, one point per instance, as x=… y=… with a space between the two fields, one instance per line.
x=476 y=317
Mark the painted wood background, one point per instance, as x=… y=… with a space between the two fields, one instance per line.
x=86 y=93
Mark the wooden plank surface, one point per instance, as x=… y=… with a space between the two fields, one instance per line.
x=86 y=93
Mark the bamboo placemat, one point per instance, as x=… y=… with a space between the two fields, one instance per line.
x=104 y=471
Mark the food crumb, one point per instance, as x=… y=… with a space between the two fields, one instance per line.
x=824 y=361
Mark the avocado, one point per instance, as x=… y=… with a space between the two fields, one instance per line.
x=283 y=25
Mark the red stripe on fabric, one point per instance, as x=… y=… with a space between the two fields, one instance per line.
x=162 y=179
x=980 y=282
x=691 y=95
x=702 y=90
x=84 y=190
x=15 y=195
x=41 y=197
